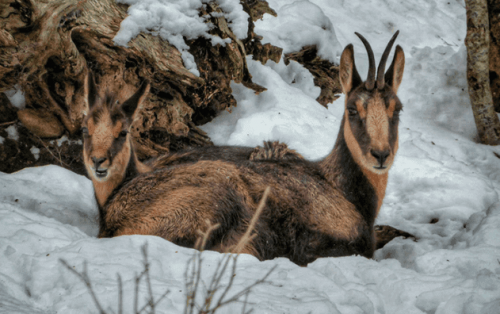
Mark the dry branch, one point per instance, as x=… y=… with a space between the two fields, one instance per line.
x=222 y=270
x=247 y=237
x=151 y=303
x=84 y=276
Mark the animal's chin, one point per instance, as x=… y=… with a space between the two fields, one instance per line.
x=101 y=174
x=380 y=169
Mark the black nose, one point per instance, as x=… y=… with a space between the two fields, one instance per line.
x=380 y=155
x=98 y=161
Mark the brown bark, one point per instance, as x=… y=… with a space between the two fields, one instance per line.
x=477 y=43
x=47 y=46
x=494 y=18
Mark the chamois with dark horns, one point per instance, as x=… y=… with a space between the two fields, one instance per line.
x=314 y=209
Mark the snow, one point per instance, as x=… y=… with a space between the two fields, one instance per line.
x=35 y=151
x=16 y=97
x=175 y=20
x=12 y=133
x=64 y=139
x=299 y=24
x=440 y=174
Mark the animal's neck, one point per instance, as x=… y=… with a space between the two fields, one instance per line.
x=363 y=188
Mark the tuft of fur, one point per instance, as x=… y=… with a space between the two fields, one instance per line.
x=274 y=151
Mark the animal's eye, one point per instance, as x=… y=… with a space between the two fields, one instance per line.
x=123 y=133
x=352 y=112
x=85 y=131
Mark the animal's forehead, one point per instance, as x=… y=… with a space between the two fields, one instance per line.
x=106 y=115
x=372 y=98
x=97 y=115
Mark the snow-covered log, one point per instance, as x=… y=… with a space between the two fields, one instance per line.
x=47 y=47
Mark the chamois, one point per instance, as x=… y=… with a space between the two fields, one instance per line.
x=314 y=209
x=108 y=153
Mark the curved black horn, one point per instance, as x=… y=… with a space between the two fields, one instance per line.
x=381 y=66
x=370 y=80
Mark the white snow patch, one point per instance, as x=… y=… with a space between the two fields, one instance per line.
x=234 y=14
x=299 y=24
x=2 y=140
x=12 y=133
x=16 y=97
x=64 y=139
x=173 y=20
x=35 y=151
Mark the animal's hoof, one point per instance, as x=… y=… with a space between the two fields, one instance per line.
x=384 y=234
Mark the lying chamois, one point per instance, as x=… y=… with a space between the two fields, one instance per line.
x=314 y=209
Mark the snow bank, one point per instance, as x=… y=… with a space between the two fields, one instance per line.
x=52 y=192
x=270 y=115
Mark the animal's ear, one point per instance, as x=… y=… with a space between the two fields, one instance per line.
x=349 y=76
x=90 y=91
x=129 y=107
x=394 y=74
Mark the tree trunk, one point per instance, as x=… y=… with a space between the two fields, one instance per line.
x=46 y=47
x=477 y=42
x=494 y=18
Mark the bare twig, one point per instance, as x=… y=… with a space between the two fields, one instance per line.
x=205 y=235
x=7 y=123
x=244 y=291
x=195 y=264
x=189 y=283
x=151 y=303
x=120 y=294
x=85 y=278
x=151 y=300
x=215 y=282
x=245 y=304
x=136 y=290
x=246 y=238
x=61 y=162
x=194 y=269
